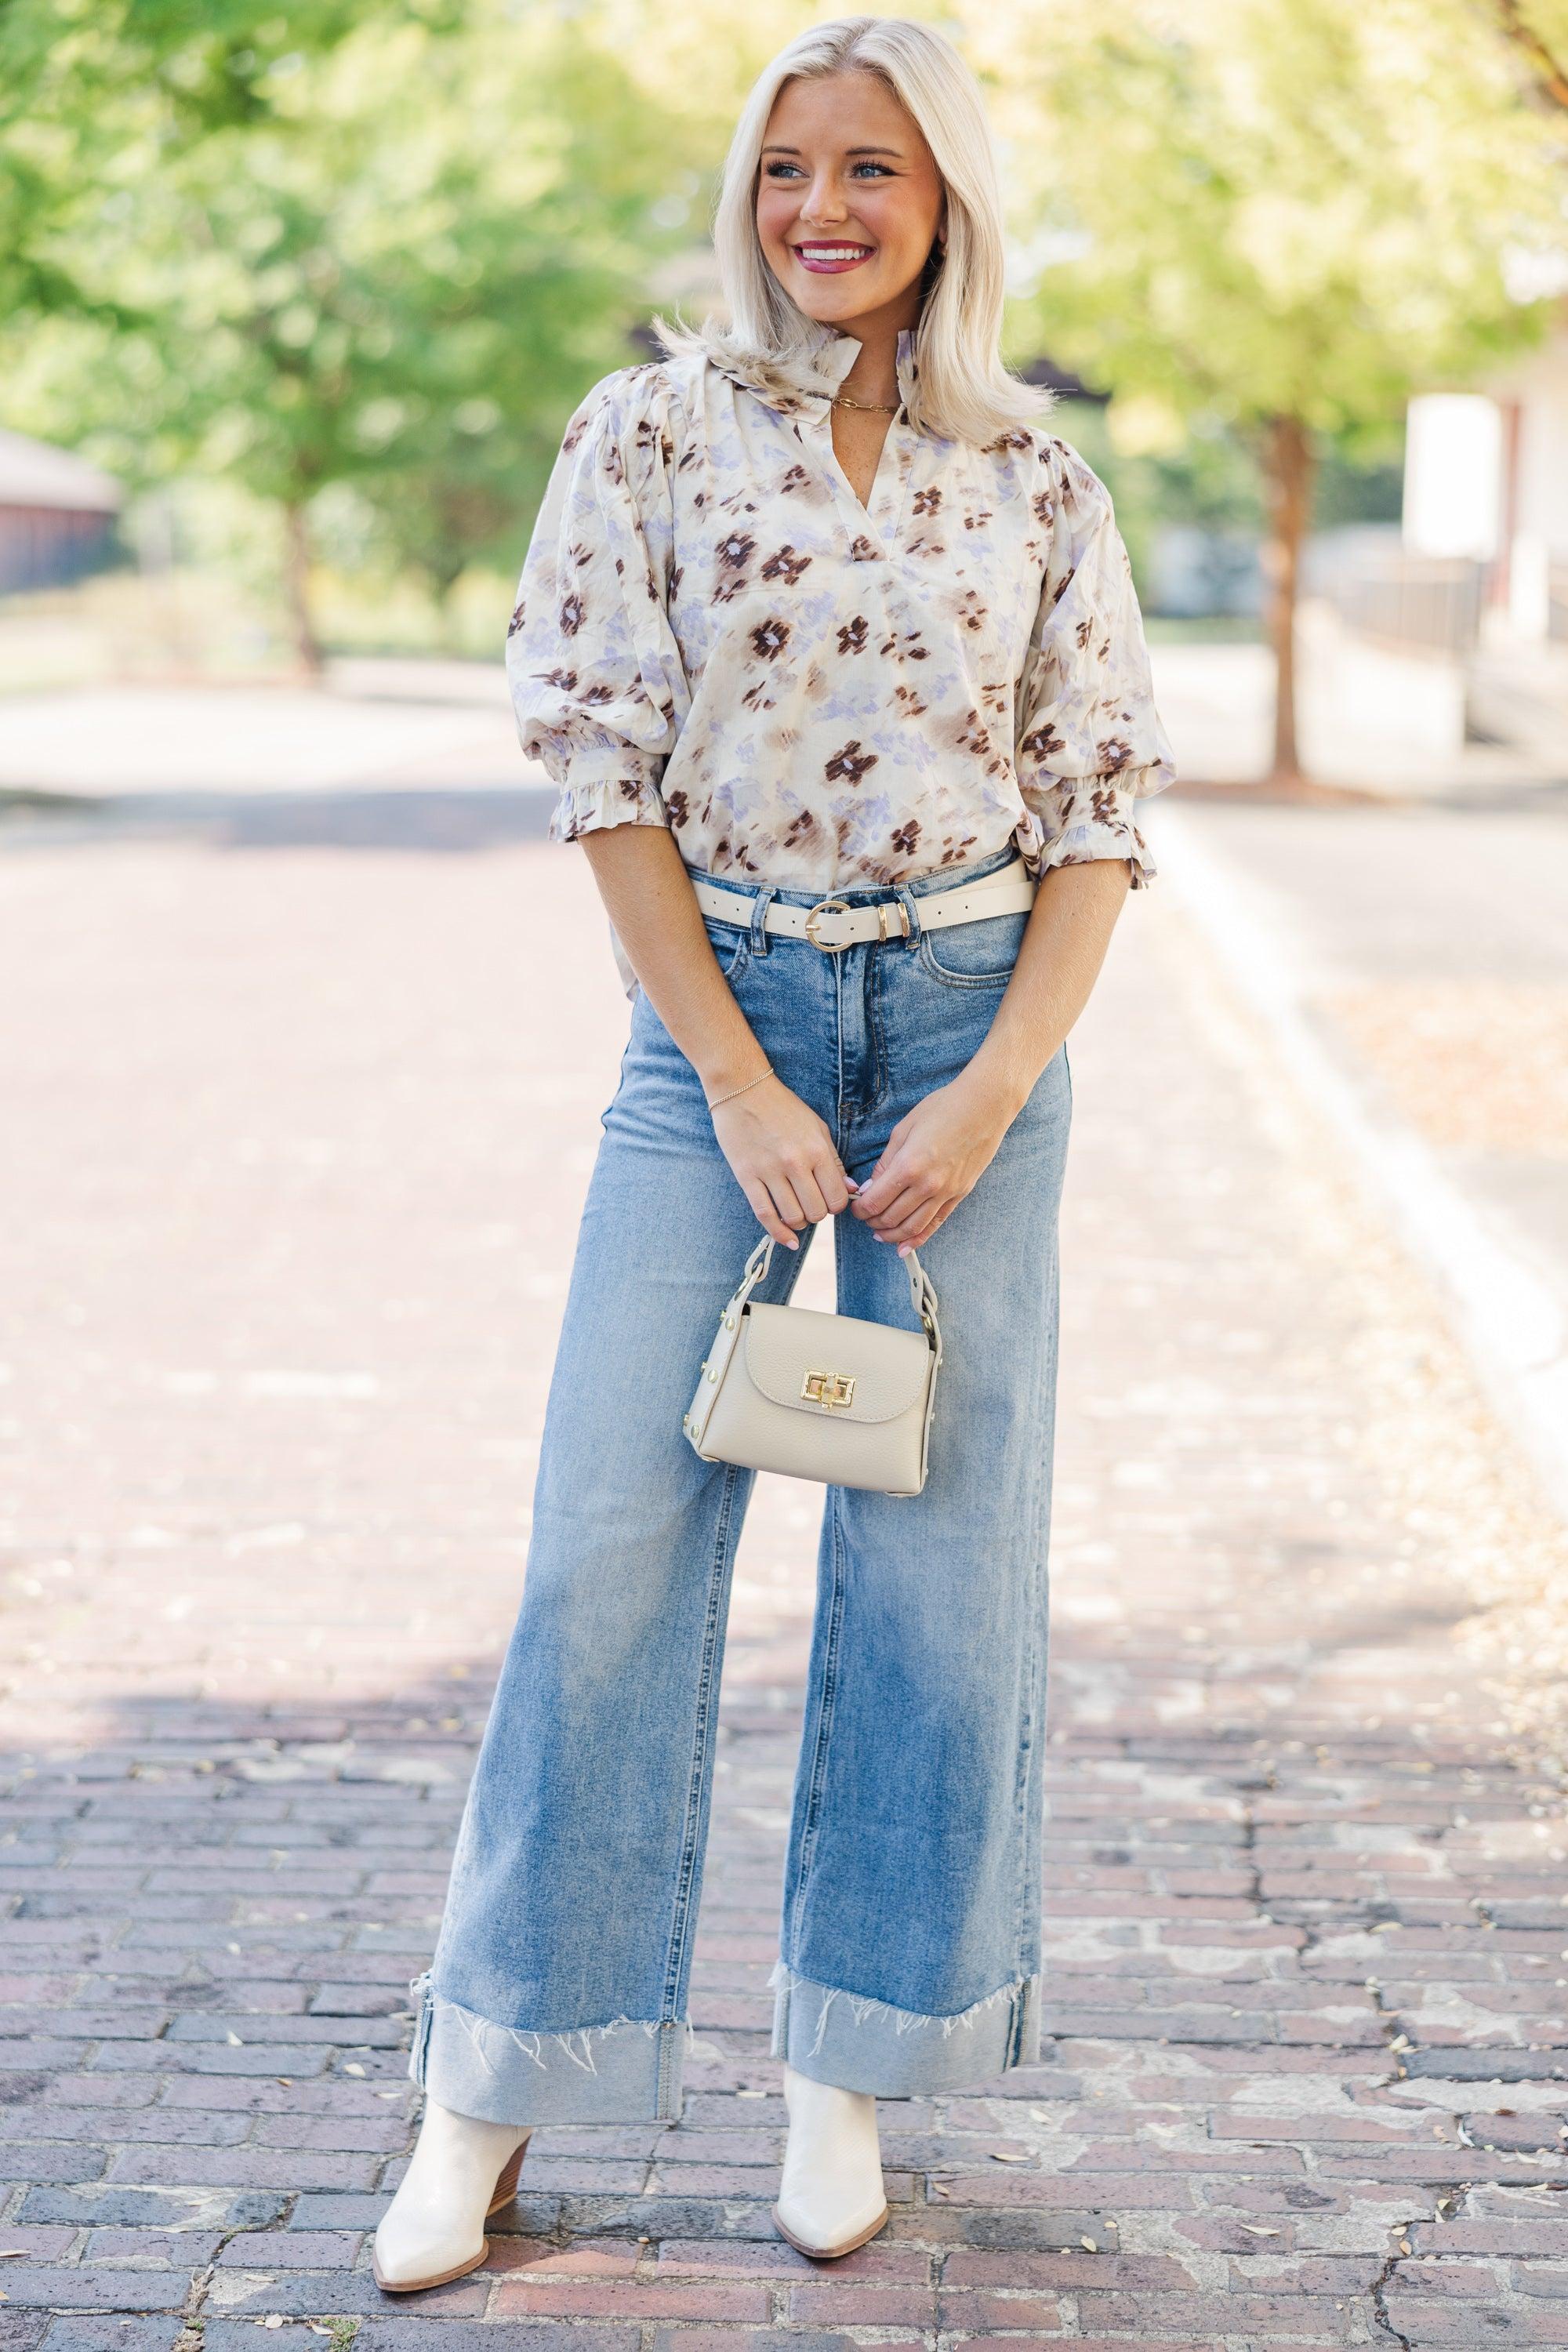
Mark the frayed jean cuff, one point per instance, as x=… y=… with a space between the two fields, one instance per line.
x=866 y=2045
x=627 y=2071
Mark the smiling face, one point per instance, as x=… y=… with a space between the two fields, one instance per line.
x=850 y=200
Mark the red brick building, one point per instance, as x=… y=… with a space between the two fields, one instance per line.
x=56 y=515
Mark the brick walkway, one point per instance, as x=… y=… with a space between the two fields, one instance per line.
x=295 y=1141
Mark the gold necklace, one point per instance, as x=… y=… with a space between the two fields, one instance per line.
x=876 y=407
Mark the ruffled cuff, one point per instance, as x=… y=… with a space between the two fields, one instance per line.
x=1074 y=820
x=603 y=787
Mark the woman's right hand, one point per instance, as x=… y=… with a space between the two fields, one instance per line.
x=783 y=1158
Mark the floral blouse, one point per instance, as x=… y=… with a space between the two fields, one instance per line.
x=713 y=634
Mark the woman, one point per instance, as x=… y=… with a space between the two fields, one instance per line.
x=814 y=611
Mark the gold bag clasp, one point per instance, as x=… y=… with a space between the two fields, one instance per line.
x=832 y=1390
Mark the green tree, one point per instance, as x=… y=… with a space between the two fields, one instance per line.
x=92 y=91
x=1285 y=217
x=395 y=265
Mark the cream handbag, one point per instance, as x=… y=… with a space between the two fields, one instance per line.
x=819 y=1396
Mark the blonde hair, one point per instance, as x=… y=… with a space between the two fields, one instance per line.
x=963 y=389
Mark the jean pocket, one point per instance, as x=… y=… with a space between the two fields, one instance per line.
x=974 y=955
x=731 y=946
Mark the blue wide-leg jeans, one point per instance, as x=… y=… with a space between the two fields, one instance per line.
x=910 y=1946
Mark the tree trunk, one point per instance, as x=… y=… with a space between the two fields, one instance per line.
x=1550 y=78
x=297 y=583
x=1287 y=465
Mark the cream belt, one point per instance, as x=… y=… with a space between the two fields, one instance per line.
x=833 y=925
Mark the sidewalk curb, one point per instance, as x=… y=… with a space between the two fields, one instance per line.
x=1514 y=1331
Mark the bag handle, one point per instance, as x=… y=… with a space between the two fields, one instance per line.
x=922 y=1297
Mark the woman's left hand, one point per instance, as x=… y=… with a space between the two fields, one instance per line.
x=933 y=1157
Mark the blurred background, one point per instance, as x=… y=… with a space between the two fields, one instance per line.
x=294 y=302
x=305 y=1032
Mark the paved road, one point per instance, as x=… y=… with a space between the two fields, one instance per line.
x=295 y=1141
x=1432 y=944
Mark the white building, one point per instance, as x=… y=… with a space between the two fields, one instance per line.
x=1486 y=482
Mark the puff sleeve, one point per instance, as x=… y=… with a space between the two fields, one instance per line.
x=1091 y=744
x=595 y=676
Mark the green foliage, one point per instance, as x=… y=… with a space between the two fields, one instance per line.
x=1211 y=479
x=1285 y=216
x=364 y=255
x=392 y=259
x=1248 y=209
x=96 y=94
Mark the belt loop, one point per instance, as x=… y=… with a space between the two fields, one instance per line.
x=760 y=904
x=911 y=913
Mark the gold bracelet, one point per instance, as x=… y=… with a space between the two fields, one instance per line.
x=742 y=1090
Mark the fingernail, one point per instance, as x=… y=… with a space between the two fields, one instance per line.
x=904 y=1248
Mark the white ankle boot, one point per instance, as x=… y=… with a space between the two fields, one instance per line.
x=831 y=2199
x=461 y=2171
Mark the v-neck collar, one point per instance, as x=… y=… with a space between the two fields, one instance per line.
x=873 y=528
x=878 y=519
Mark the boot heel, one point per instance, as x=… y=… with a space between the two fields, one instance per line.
x=506 y=2179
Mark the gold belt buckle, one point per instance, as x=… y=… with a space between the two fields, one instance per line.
x=825 y=906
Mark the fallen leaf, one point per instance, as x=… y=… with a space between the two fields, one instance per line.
x=1256 y=2230
x=1089 y=2246
x=1007 y=2156
x=351 y=2068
